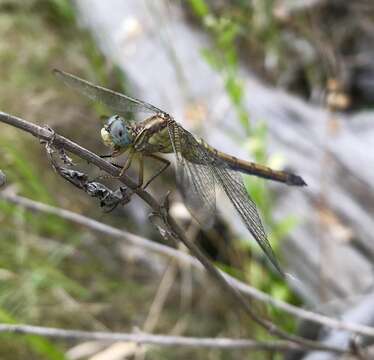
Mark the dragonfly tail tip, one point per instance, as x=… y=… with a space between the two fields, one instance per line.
x=295 y=180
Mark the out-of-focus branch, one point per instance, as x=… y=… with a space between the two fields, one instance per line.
x=182 y=257
x=171 y=225
x=103 y=228
x=145 y=338
x=2 y=178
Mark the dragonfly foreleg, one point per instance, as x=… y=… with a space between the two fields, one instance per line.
x=127 y=163
x=160 y=171
x=116 y=152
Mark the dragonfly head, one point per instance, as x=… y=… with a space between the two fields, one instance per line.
x=115 y=132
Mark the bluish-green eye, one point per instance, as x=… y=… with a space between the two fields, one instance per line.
x=116 y=127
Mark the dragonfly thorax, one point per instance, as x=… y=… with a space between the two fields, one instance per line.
x=116 y=132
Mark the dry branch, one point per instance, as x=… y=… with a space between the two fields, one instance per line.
x=145 y=338
x=172 y=227
x=184 y=258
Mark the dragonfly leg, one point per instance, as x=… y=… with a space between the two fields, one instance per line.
x=160 y=171
x=141 y=170
x=127 y=163
x=114 y=153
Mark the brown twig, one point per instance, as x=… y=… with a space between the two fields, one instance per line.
x=174 y=229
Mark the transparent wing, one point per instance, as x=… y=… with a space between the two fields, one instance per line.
x=232 y=184
x=120 y=103
x=198 y=189
x=199 y=170
x=194 y=177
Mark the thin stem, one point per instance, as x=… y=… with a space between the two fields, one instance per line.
x=146 y=338
x=185 y=258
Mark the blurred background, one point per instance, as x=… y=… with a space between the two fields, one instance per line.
x=284 y=83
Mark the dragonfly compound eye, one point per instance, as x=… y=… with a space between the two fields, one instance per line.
x=118 y=131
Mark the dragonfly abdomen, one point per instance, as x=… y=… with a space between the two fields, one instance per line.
x=259 y=170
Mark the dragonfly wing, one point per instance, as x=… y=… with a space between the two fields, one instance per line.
x=195 y=179
x=198 y=189
x=199 y=170
x=120 y=103
x=232 y=184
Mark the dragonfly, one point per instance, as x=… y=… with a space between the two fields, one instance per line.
x=200 y=169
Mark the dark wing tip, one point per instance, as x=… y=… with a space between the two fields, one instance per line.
x=274 y=262
x=276 y=266
x=295 y=180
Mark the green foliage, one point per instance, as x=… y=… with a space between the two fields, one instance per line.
x=23 y=172
x=223 y=58
x=36 y=250
x=199 y=7
x=29 y=273
x=58 y=12
x=21 y=253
